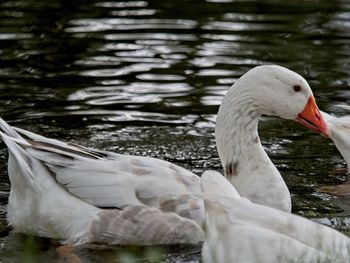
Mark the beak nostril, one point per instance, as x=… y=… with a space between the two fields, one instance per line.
x=317 y=115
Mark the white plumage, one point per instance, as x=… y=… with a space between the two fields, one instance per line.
x=65 y=191
x=340 y=132
x=240 y=231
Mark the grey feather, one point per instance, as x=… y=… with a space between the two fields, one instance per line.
x=142 y=225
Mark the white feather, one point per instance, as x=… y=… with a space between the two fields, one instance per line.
x=340 y=133
x=240 y=231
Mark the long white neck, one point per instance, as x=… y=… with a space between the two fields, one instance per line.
x=246 y=164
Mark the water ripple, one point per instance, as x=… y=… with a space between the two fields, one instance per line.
x=134 y=90
x=140 y=12
x=8 y=36
x=139 y=67
x=123 y=4
x=104 y=24
x=146 y=36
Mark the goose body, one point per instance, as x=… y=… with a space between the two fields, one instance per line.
x=44 y=202
x=238 y=230
x=60 y=190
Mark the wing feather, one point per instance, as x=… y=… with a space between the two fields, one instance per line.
x=142 y=225
x=107 y=179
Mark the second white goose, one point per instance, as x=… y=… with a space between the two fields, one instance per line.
x=240 y=231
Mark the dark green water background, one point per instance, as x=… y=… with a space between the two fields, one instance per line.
x=147 y=77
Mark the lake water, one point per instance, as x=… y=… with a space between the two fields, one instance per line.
x=147 y=77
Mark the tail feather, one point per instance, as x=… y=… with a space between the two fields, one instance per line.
x=41 y=143
x=18 y=153
x=8 y=130
x=59 y=147
x=39 y=138
x=17 y=145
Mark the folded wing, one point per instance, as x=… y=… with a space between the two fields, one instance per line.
x=107 y=179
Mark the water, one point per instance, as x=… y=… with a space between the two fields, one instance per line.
x=126 y=76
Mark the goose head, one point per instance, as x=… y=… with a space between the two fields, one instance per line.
x=281 y=92
x=264 y=90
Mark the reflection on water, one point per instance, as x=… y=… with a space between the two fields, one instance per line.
x=124 y=75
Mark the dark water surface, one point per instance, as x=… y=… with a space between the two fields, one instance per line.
x=147 y=77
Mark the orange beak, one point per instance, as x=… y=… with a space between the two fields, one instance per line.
x=311 y=118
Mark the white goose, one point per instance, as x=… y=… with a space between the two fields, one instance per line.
x=340 y=132
x=60 y=190
x=240 y=231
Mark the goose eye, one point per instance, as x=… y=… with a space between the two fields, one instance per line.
x=297 y=88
